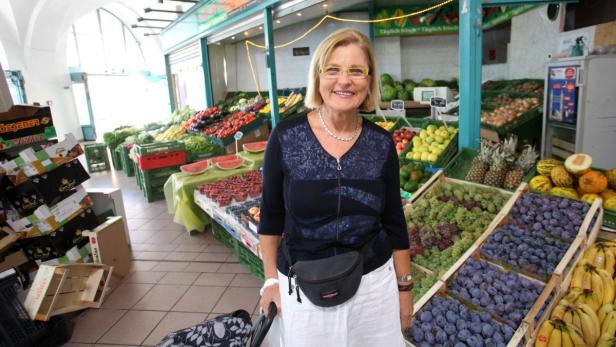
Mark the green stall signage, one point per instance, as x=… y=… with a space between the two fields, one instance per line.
x=443 y=20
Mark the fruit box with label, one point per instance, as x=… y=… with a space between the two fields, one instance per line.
x=25 y=124
x=48 y=188
x=109 y=245
x=58 y=242
x=66 y=288
x=45 y=220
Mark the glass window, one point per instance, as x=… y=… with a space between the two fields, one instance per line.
x=71 y=50
x=113 y=39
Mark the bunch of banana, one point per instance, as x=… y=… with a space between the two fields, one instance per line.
x=292 y=99
x=556 y=333
x=608 y=326
x=603 y=256
x=591 y=277
x=584 y=296
x=266 y=109
x=581 y=316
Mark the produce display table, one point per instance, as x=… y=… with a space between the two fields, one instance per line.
x=179 y=190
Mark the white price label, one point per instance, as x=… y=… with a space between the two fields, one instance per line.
x=238 y=135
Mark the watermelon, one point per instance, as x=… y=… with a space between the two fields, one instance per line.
x=255 y=147
x=230 y=164
x=195 y=168
x=223 y=158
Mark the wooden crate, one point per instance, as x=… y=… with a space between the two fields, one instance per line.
x=59 y=289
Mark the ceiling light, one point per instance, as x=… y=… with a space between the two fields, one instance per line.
x=232 y=37
x=299 y=14
x=277 y=21
x=325 y=5
x=260 y=28
x=245 y=33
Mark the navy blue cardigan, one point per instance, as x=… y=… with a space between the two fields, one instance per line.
x=326 y=208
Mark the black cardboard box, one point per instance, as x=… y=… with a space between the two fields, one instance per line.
x=48 y=188
x=25 y=124
x=56 y=243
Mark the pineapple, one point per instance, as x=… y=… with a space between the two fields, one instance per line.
x=525 y=161
x=509 y=146
x=498 y=170
x=481 y=162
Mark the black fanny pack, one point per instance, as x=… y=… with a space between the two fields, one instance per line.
x=329 y=281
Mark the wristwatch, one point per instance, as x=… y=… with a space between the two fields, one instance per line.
x=405 y=283
x=408 y=278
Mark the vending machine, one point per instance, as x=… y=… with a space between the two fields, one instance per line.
x=580 y=109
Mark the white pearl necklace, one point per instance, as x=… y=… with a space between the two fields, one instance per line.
x=339 y=138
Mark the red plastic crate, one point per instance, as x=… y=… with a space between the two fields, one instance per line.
x=161 y=160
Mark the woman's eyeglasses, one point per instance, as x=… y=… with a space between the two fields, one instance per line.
x=354 y=72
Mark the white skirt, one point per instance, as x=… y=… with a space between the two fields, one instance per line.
x=371 y=318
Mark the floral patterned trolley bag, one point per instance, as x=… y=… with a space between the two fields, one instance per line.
x=228 y=330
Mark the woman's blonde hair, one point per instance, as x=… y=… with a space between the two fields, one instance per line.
x=340 y=38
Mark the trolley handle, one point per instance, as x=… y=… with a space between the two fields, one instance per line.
x=263 y=325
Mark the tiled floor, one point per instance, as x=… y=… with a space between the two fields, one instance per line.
x=177 y=280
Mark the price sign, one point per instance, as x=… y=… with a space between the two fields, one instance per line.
x=238 y=136
x=397 y=104
x=436 y=101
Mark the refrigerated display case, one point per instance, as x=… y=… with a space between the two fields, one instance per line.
x=579 y=108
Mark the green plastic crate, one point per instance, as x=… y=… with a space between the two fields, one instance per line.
x=449 y=152
x=160 y=147
x=250 y=260
x=461 y=163
x=224 y=237
x=97 y=158
x=115 y=158
x=155 y=178
x=127 y=167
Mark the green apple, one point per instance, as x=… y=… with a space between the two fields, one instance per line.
x=417 y=156
x=439 y=139
x=432 y=158
x=423 y=134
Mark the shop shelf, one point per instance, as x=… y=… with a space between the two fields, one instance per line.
x=96 y=157
x=252 y=126
x=17 y=328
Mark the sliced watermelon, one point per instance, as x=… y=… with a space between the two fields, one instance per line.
x=255 y=147
x=195 y=168
x=230 y=164
x=222 y=158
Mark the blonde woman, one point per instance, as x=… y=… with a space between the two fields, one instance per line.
x=331 y=185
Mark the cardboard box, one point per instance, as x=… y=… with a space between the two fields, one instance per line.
x=25 y=124
x=109 y=201
x=45 y=220
x=66 y=288
x=48 y=188
x=58 y=242
x=109 y=246
x=12 y=260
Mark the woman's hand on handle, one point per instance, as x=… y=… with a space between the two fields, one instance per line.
x=270 y=294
